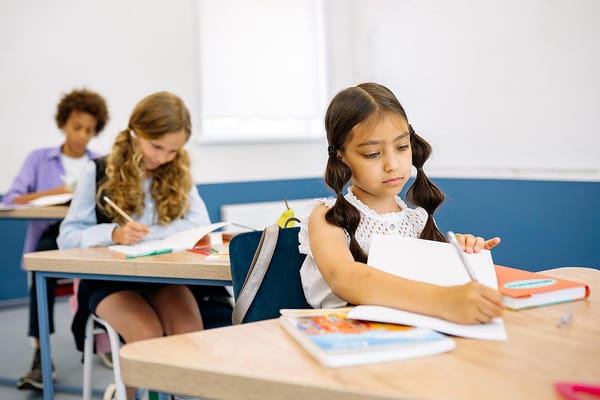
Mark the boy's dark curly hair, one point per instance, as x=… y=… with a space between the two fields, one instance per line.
x=85 y=101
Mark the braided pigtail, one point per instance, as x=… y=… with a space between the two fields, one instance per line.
x=343 y=214
x=347 y=109
x=423 y=192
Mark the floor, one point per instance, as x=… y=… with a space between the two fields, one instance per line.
x=16 y=354
x=16 y=349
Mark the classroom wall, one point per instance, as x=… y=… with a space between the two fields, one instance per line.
x=505 y=90
x=501 y=88
x=543 y=224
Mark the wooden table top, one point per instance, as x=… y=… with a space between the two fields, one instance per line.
x=260 y=361
x=47 y=212
x=101 y=260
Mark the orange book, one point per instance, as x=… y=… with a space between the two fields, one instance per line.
x=525 y=289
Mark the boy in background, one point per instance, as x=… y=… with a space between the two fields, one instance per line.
x=80 y=115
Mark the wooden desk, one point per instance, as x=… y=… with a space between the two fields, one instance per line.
x=100 y=260
x=47 y=212
x=260 y=361
x=101 y=263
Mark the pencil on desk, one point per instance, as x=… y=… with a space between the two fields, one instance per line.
x=564 y=319
x=117 y=209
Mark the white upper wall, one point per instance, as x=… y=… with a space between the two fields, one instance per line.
x=502 y=88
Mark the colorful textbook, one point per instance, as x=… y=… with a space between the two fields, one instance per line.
x=524 y=289
x=335 y=340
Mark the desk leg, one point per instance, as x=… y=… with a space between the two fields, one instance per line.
x=44 y=335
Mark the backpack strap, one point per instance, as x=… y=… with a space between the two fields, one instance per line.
x=256 y=273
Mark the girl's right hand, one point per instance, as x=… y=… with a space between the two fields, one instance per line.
x=471 y=303
x=130 y=233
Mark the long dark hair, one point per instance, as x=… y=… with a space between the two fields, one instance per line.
x=347 y=109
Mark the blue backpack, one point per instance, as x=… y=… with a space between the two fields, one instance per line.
x=265 y=272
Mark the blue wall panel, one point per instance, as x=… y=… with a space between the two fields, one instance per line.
x=13 y=279
x=543 y=224
x=217 y=194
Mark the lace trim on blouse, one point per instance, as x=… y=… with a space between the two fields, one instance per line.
x=408 y=223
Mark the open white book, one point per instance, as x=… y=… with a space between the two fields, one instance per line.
x=431 y=262
x=179 y=241
x=49 y=200
x=52 y=200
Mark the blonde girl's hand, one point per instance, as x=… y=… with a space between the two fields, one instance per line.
x=472 y=303
x=473 y=244
x=130 y=233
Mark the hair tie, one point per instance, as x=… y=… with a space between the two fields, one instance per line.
x=332 y=149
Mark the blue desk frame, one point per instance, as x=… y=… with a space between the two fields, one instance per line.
x=41 y=276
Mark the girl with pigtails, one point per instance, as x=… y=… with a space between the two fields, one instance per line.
x=373 y=147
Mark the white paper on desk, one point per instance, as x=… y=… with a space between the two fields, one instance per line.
x=431 y=262
x=493 y=330
x=51 y=200
x=179 y=241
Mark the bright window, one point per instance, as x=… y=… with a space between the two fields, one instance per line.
x=262 y=69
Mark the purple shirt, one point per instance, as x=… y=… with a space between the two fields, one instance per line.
x=42 y=170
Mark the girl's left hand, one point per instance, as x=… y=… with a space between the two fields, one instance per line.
x=473 y=244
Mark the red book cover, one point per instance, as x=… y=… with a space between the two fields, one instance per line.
x=524 y=289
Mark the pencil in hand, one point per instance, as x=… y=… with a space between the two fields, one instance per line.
x=117 y=209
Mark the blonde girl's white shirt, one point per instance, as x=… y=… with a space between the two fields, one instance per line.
x=407 y=223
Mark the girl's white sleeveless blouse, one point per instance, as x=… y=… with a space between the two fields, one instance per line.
x=409 y=223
